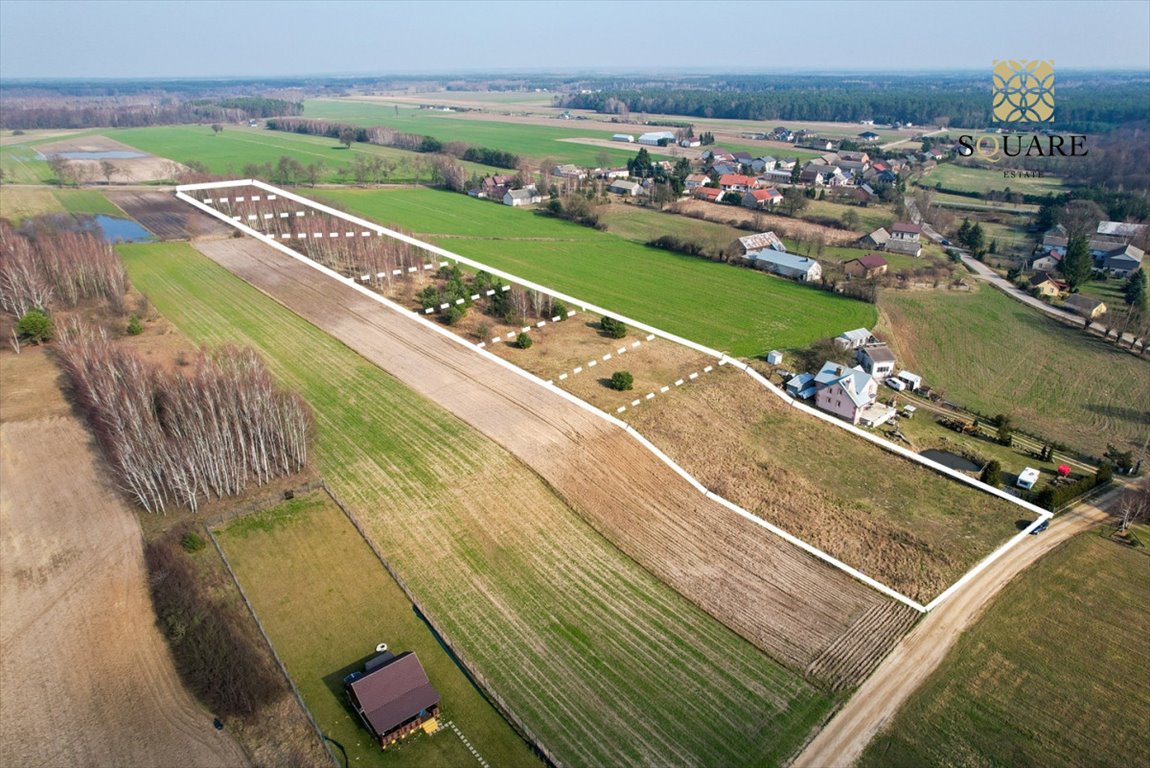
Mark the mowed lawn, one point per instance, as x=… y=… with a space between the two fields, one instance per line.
x=236 y=146
x=739 y=311
x=605 y=663
x=1054 y=674
x=996 y=355
x=326 y=602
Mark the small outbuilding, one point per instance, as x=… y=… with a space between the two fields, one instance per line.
x=774 y=357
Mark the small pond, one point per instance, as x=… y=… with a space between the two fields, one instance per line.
x=952 y=460
x=107 y=154
x=122 y=230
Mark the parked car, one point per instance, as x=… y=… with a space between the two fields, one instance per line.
x=1040 y=527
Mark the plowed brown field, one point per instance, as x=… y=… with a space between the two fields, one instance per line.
x=785 y=601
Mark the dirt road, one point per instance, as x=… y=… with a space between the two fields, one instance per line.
x=783 y=600
x=843 y=740
x=85 y=677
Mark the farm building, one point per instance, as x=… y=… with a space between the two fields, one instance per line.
x=876 y=359
x=876 y=239
x=623 y=137
x=393 y=697
x=852 y=339
x=1120 y=229
x=736 y=182
x=905 y=238
x=845 y=392
x=758 y=242
x=628 y=188
x=569 y=171
x=1121 y=262
x=802 y=386
x=525 y=196
x=696 y=180
x=654 y=138
x=1084 y=305
x=710 y=194
x=787 y=265
x=866 y=267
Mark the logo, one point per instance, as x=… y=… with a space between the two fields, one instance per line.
x=1023 y=91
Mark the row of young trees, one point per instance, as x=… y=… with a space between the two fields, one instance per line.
x=50 y=267
x=184 y=437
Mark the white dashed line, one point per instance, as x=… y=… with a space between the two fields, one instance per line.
x=693 y=376
x=650 y=395
x=708 y=369
x=577 y=370
x=679 y=383
x=663 y=389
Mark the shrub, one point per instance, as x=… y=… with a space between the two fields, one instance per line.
x=558 y=309
x=992 y=473
x=454 y=314
x=192 y=542
x=135 y=327
x=35 y=325
x=523 y=341
x=622 y=381
x=613 y=328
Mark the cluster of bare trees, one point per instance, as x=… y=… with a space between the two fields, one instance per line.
x=57 y=268
x=181 y=438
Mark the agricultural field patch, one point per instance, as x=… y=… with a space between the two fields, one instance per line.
x=18 y=203
x=977 y=179
x=495 y=570
x=86 y=201
x=740 y=311
x=326 y=601
x=1053 y=380
x=1053 y=674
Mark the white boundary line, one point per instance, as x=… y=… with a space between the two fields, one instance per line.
x=722 y=358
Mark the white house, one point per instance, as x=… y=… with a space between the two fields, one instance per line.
x=905 y=238
x=525 y=196
x=876 y=359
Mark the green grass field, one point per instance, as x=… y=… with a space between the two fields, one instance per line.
x=968 y=179
x=739 y=311
x=86 y=201
x=326 y=601
x=1054 y=674
x=22 y=165
x=603 y=661
x=988 y=352
x=236 y=146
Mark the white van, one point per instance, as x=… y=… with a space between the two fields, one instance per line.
x=896 y=384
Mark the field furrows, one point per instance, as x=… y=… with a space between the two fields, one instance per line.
x=850 y=658
x=597 y=656
x=84 y=673
x=771 y=592
x=166 y=217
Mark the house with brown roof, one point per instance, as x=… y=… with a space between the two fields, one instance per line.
x=905 y=238
x=710 y=194
x=393 y=697
x=1044 y=284
x=696 y=180
x=866 y=267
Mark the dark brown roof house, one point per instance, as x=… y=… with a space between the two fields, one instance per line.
x=393 y=697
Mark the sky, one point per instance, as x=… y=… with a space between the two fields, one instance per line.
x=261 y=38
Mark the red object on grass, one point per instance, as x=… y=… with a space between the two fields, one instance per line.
x=1063 y=470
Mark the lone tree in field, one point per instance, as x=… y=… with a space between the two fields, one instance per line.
x=346 y=136
x=35 y=326
x=622 y=381
x=613 y=328
x=217 y=128
x=523 y=341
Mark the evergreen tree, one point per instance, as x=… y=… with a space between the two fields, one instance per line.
x=1135 y=290
x=964 y=233
x=1076 y=264
x=796 y=171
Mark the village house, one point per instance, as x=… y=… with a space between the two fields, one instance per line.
x=1044 y=284
x=822 y=175
x=1047 y=263
x=844 y=392
x=696 y=180
x=762 y=198
x=734 y=182
x=1120 y=229
x=614 y=173
x=758 y=242
x=710 y=194
x=725 y=168
x=876 y=239
x=763 y=164
x=866 y=267
x=855 y=339
x=690 y=142
x=863 y=194
x=876 y=359
x=525 y=196
x=904 y=238
x=775 y=177
x=569 y=171
x=786 y=265
x=393 y=697
x=1084 y=306
x=869 y=136
x=625 y=188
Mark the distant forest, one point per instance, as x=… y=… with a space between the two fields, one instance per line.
x=1085 y=103
x=110 y=114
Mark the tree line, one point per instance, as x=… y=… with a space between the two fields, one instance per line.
x=184 y=437
x=139 y=115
